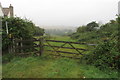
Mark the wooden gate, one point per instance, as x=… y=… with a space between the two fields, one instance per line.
x=57 y=51
x=41 y=43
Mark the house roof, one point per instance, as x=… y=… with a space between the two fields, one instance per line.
x=5 y=11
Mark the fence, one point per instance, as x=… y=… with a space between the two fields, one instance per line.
x=19 y=46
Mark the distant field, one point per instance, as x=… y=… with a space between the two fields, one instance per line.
x=63 y=38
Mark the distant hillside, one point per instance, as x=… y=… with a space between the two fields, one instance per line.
x=58 y=27
x=60 y=31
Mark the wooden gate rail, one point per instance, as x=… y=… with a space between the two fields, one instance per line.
x=63 y=52
x=20 y=48
x=62 y=46
x=68 y=47
x=83 y=43
x=65 y=42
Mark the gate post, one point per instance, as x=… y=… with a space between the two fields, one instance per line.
x=41 y=45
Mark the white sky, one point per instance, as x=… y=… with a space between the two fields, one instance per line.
x=64 y=12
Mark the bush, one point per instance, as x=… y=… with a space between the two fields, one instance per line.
x=7 y=57
x=105 y=55
x=18 y=29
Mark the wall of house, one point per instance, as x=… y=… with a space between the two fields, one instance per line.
x=9 y=15
x=119 y=7
x=1 y=12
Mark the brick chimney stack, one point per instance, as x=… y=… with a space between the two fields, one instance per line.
x=11 y=10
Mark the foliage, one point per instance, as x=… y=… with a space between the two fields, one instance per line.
x=38 y=31
x=7 y=57
x=81 y=29
x=106 y=54
x=84 y=34
x=91 y=26
x=18 y=29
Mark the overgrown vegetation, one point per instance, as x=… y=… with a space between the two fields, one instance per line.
x=106 y=55
x=102 y=62
x=18 y=29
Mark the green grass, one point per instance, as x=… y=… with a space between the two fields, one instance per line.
x=0 y=71
x=51 y=67
x=63 y=38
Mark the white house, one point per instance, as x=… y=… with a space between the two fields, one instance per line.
x=1 y=11
x=119 y=7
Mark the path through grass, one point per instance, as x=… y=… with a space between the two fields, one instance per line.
x=50 y=67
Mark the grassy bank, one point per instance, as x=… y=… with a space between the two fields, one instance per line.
x=52 y=67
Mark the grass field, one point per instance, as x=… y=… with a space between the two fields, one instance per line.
x=46 y=66
x=52 y=67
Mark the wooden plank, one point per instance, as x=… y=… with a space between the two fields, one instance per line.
x=24 y=47
x=23 y=40
x=64 y=52
x=55 y=41
x=72 y=42
x=18 y=40
x=65 y=42
x=68 y=47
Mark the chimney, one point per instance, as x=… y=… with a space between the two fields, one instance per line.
x=11 y=10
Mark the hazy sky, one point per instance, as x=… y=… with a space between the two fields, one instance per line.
x=64 y=12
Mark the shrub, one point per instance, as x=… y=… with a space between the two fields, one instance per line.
x=18 y=29
x=105 y=55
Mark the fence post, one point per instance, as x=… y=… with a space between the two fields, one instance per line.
x=21 y=45
x=41 y=45
x=10 y=46
x=13 y=46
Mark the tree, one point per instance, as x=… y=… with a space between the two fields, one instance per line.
x=81 y=29
x=112 y=21
x=91 y=26
x=38 y=31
